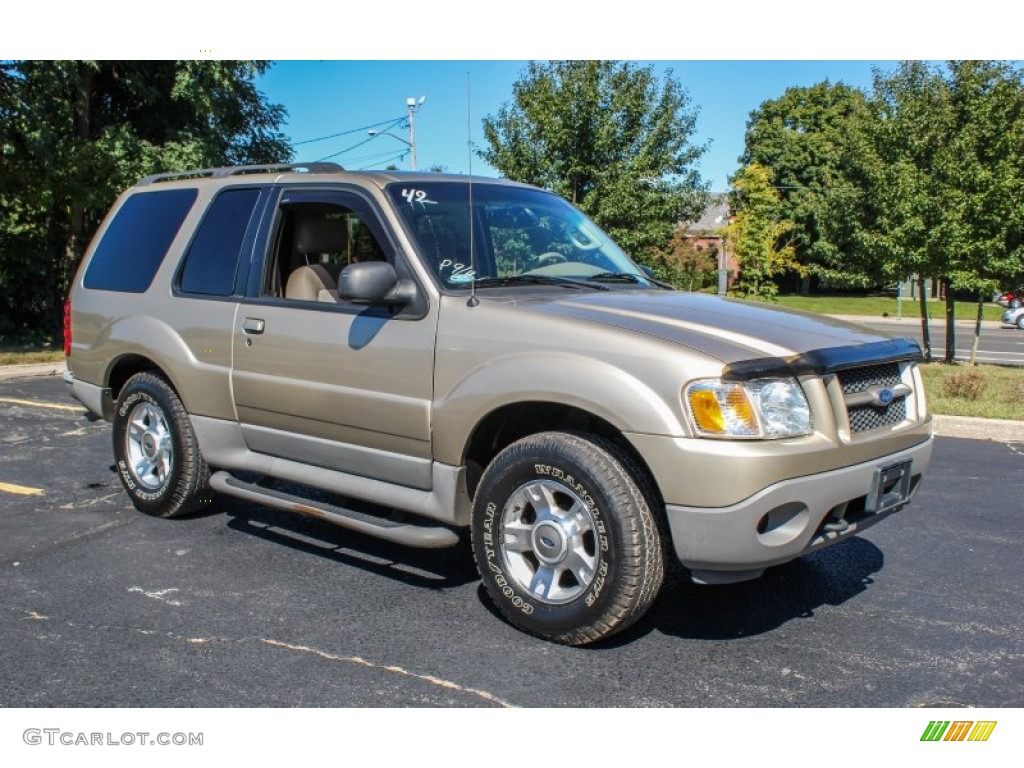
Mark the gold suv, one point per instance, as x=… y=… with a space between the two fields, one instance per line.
x=477 y=354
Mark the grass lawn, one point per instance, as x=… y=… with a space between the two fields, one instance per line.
x=1001 y=394
x=24 y=356
x=881 y=306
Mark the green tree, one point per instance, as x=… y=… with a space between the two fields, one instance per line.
x=803 y=136
x=982 y=182
x=897 y=211
x=612 y=137
x=761 y=238
x=75 y=133
x=941 y=173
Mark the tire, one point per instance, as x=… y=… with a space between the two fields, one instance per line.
x=1020 y=322
x=156 y=451
x=565 y=538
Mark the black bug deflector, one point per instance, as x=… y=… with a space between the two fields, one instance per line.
x=819 y=361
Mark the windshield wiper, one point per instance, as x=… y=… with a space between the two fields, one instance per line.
x=629 y=277
x=568 y=282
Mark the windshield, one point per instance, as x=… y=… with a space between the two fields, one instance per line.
x=518 y=235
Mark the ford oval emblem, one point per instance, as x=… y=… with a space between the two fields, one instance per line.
x=884 y=396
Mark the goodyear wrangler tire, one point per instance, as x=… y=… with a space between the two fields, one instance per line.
x=156 y=451
x=565 y=538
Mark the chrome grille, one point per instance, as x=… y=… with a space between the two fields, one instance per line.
x=855 y=382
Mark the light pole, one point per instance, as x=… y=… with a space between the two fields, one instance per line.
x=723 y=270
x=413 y=105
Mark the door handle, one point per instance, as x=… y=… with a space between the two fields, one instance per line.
x=253 y=325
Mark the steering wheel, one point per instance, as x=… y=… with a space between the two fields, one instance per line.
x=590 y=244
x=551 y=257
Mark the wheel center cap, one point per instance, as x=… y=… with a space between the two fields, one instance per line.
x=149 y=445
x=549 y=542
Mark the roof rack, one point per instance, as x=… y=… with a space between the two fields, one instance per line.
x=239 y=170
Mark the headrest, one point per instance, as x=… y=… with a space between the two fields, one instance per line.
x=321 y=235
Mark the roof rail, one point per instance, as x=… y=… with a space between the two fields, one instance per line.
x=238 y=170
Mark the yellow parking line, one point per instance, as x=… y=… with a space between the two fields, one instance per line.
x=40 y=404
x=21 y=489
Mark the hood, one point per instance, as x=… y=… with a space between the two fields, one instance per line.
x=759 y=336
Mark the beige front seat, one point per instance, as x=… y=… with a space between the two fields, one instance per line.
x=309 y=280
x=311 y=283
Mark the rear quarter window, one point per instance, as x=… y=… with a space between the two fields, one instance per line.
x=212 y=259
x=135 y=243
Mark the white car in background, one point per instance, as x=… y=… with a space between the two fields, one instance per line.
x=1014 y=317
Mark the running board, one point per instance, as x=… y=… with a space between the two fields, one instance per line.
x=427 y=537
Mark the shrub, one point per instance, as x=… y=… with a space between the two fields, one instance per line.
x=967 y=385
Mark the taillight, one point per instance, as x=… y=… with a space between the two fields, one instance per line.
x=67 y=328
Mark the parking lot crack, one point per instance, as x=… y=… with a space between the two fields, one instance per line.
x=157 y=594
x=194 y=640
x=392 y=669
x=90 y=502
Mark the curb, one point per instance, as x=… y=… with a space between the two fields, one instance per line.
x=32 y=370
x=973 y=428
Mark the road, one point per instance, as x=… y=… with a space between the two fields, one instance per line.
x=243 y=606
x=1003 y=346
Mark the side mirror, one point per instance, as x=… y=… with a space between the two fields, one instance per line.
x=373 y=282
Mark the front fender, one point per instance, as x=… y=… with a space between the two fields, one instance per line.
x=579 y=381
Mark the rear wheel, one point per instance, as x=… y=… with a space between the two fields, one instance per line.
x=565 y=538
x=156 y=451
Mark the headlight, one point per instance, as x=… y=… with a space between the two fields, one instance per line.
x=765 y=408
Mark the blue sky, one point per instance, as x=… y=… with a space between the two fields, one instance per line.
x=327 y=97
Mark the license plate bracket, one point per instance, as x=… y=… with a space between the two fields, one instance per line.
x=890 y=487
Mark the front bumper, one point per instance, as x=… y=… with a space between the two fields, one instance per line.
x=785 y=520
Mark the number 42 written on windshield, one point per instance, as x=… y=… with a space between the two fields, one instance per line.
x=417 y=196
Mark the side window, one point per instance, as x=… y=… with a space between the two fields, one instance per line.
x=314 y=242
x=137 y=240
x=212 y=259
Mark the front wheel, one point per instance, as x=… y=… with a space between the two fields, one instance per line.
x=565 y=538
x=1020 y=322
x=155 y=449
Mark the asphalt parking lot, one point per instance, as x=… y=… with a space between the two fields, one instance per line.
x=244 y=606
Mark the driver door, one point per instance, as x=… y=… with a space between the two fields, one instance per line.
x=323 y=381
